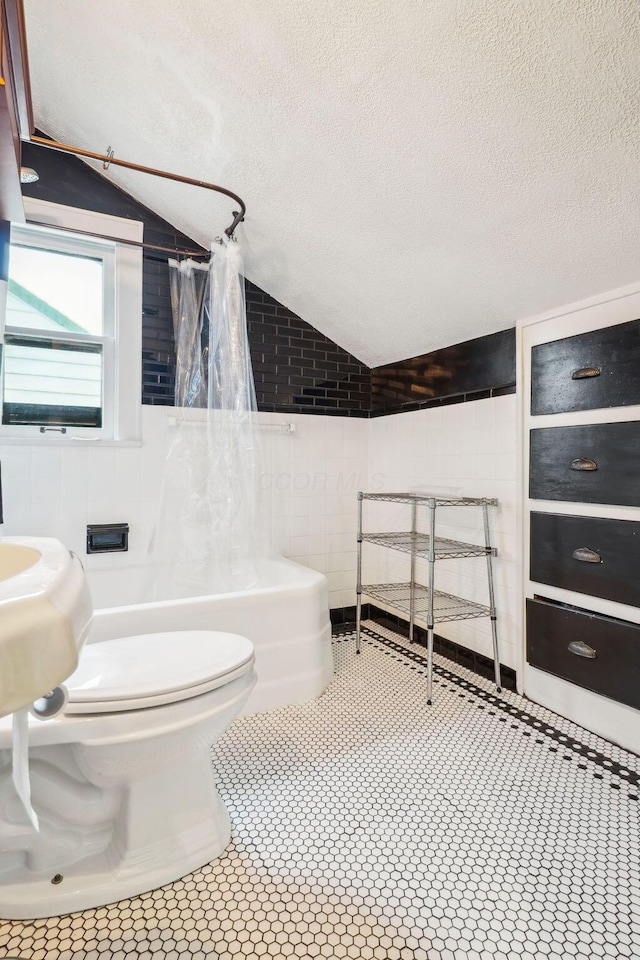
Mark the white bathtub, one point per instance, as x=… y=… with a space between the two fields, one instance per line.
x=286 y=616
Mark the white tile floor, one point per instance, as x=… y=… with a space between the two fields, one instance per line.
x=369 y=825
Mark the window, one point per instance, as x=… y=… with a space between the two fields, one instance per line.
x=71 y=363
x=59 y=330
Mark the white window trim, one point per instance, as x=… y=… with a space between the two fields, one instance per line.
x=123 y=391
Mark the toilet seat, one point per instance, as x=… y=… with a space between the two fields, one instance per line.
x=134 y=673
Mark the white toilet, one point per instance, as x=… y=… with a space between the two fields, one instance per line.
x=122 y=781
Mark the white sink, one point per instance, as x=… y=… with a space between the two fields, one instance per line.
x=15 y=558
x=45 y=615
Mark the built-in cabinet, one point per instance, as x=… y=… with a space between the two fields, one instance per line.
x=594 y=370
x=580 y=418
x=592 y=651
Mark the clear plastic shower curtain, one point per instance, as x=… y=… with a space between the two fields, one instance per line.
x=211 y=530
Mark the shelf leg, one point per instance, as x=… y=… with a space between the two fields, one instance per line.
x=492 y=601
x=412 y=577
x=359 y=576
x=430 y=617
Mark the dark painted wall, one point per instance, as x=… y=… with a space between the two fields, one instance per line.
x=297 y=369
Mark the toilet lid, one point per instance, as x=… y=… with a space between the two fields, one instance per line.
x=155 y=666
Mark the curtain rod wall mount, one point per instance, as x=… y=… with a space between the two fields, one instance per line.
x=109 y=158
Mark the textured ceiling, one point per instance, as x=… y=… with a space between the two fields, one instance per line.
x=416 y=173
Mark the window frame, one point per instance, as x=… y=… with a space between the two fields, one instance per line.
x=121 y=337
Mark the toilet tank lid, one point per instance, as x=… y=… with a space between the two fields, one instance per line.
x=154 y=664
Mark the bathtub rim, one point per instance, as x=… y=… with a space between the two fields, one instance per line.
x=304 y=577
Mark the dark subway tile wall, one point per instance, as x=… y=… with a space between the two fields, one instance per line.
x=471 y=370
x=443 y=401
x=297 y=369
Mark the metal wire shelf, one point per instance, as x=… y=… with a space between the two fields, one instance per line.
x=446 y=606
x=439 y=500
x=412 y=599
x=444 y=548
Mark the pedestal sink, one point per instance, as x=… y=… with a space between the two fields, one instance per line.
x=15 y=558
x=45 y=614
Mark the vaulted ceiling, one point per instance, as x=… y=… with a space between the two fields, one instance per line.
x=416 y=173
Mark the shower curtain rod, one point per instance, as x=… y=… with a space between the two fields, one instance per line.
x=132 y=243
x=107 y=159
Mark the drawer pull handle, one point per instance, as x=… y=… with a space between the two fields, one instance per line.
x=582 y=650
x=583 y=373
x=586 y=555
x=581 y=463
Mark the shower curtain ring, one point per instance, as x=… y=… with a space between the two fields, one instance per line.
x=110 y=155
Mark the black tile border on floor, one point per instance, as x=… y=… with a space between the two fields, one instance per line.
x=463 y=656
x=627 y=776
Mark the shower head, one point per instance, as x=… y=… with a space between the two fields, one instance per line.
x=28 y=175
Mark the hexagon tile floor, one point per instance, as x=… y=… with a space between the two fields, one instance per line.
x=369 y=825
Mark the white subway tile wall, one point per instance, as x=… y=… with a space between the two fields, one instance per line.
x=311 y=478
x=463 y=449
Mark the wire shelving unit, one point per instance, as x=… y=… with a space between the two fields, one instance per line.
x=423 y=603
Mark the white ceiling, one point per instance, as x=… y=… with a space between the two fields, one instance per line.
x=416 y=172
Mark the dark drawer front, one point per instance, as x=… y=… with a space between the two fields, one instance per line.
x=614 y=671
x=610 y=452
x=597 y=369
x=587 y=554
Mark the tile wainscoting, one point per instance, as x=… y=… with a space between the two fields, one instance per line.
x=310 y=481
x=311 y=478
x=463 y=449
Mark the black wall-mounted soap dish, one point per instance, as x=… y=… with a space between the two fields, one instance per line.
x=107 y=537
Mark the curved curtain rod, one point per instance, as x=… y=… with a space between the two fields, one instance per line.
x=238 y=215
